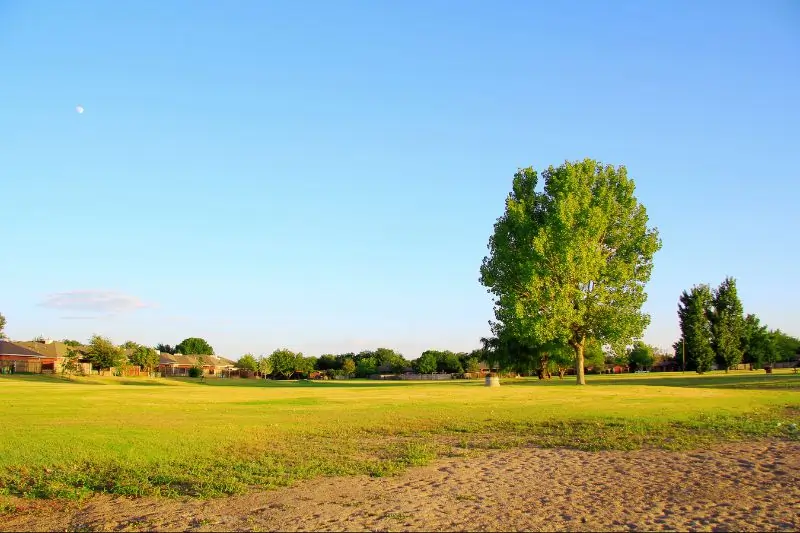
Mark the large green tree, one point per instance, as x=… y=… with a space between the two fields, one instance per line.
x=570 y=263
x=727 y=325
x=103 y=354
x=694 y=310
x=286 y=362
x=194 y=346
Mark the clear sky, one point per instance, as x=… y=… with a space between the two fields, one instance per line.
x=325 y=175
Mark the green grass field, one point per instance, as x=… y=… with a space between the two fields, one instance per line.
x=68 y=439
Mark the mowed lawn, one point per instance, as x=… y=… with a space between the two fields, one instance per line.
x=171 y=437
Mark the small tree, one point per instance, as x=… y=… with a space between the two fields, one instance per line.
x=473 y=365
x=71 y=364
x=641 y=355
x=166 y=348
x=145 y=357
x=2 y=326
x=103 y=354
x=264 y=366
x=247 y=362
x=196 y=371
x=348 y=367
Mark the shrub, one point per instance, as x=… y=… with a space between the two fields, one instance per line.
x=196 y=372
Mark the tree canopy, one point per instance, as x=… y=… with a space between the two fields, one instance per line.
x=694 y=309
x=727 y=325
x=144 y=357
x=247 y=362
x=194 y=346
x=2 y=326
x=570 y=263
x=641 y=356
x=103 y=354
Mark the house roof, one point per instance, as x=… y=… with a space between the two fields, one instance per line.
x=14 y=348
x=191 y=360
x=50 y=349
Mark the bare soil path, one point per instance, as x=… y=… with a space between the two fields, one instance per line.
x=746 y=486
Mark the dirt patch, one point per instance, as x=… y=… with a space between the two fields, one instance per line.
x=748 y=486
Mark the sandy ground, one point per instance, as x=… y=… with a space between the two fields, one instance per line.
x=733 y=487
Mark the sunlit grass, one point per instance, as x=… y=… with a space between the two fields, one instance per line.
x=170 y=437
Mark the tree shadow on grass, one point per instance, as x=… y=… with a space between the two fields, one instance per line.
x=46 y=378
x=352 y=384
x=692 y=381
x=82 y=380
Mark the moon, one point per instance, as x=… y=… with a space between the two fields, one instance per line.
x=79 y=109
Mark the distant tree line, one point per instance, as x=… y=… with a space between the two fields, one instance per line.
x=715 y=329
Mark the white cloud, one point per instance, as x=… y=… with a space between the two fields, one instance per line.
x=93 y=301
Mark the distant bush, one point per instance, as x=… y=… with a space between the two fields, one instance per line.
x=196 y=372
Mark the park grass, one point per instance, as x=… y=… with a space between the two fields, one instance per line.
x=171 y=437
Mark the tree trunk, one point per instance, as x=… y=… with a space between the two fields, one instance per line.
x=578 y=346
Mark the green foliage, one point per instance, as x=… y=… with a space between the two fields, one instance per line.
x=129 y=345
x=594 y=356
x=349 y=367
x=145 y=357
x=570 y=263
x=787 y=347
x=694 y=310
x=166 y=348
x=264 y=366
x=445 y=361
x=641 y=356
x=727 y=324
x=71 y=364
x=70 y=342
x=329 y=362
x=2 y=326
x=196 y=371
x=103 y=354
x=757 y=344
x=286 y=362
x=426 y=363
x=194 y=346
x=366 y=366
x=247 y=362
x=472 y=365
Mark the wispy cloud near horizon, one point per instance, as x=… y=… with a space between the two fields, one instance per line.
x=92 y=301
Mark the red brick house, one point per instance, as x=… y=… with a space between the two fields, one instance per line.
x=17 y=358
x=179 y=365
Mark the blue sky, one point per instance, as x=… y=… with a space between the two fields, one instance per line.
x=325 y=175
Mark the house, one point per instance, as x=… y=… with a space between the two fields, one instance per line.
x=16 y=358
x=616 y=369
x=53 y=353
x=670 y=365
x=179 y=365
